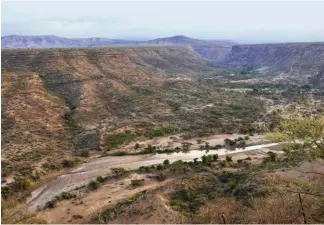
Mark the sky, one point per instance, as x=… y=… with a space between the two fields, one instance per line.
x=245 y=22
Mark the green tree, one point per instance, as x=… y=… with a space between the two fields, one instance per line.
x=166 y=162
x=229 y=158
x=301 y=134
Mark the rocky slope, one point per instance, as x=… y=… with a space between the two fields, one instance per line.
x=303 y=62
x=57 y=100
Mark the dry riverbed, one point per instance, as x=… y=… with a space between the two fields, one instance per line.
x=101 y=166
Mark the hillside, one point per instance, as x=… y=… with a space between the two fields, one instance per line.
x=213 y=50
x=302 y=62
x=57 y=100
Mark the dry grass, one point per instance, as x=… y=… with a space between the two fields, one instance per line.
x=15 y=212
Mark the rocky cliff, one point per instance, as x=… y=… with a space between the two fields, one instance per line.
x=302 y=61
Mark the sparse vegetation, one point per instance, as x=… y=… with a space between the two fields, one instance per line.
x=118 y=171
x=137 y=182
x=93 y=185
x=83 y=152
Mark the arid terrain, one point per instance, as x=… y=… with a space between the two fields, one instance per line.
x=173 y=130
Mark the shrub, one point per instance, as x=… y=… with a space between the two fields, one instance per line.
x=148 y=149
x=144 y=169
x=137 y=146
x=137 y=182
x=118 y=171
x=166 y=162
x=51 y=204
x=199 y=141
x=215 y=157
x=232 y=184
x=119 y=153
x=22 y=183
x=67 y=163
x=204 y=159
x=229 y=158
x=114 y=140
x=65 y=196
x=100 y=179
x=160 y=176
x=246 y=137
x=159 y=167
x=84 y=152
x=93 y=185
x=222 y=163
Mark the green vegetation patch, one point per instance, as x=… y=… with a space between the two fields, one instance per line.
x=111 y=213
x=201 y=188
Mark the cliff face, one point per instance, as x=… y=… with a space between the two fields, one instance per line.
x=299 y=60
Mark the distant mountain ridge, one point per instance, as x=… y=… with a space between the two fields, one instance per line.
x=213 y=50
x=52 y=41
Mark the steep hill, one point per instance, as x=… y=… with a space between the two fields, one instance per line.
x=57 y=100
x=303 y=62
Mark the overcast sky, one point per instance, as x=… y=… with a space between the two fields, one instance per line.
x=240 y=21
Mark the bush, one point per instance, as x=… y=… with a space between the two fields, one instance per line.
x=215 y=157
x=118 y=171
x=159 y=167
x=160 y=176
x=149 y=149
x=100 y=179
x=222 y=163
x=84 y=152
x=229 y=158
x=144 y=169
x=166 y=162
x=204 y=159
x=137 y=182
x=199 y=141
x=119 y=153
x=51 y=204
x=114 y=140
x=67 y=163
x=232 y=184
x=93 y=185
x=65 y=196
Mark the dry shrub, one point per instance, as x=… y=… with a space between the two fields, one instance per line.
x=271 y=210
x=212 y=212
x=275 y=210
x=14 y=212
